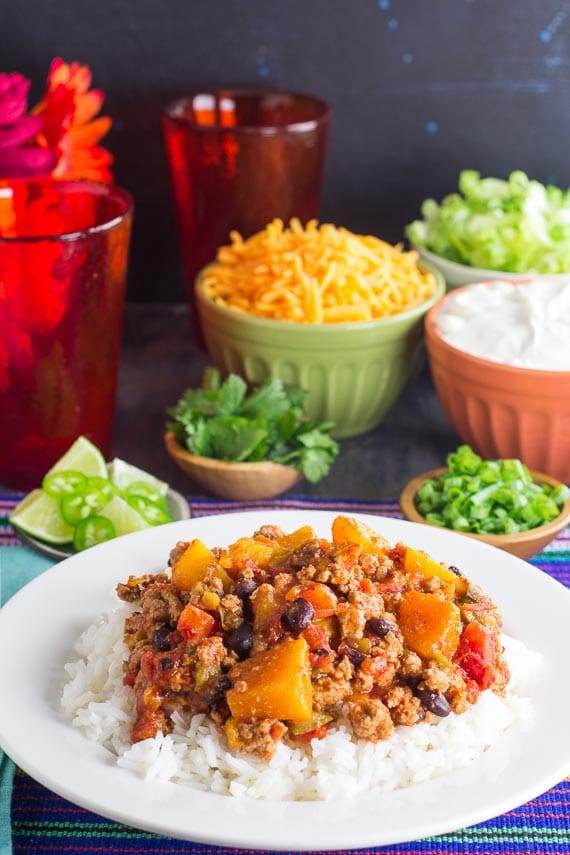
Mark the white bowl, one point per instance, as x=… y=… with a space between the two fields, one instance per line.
x=456 y=275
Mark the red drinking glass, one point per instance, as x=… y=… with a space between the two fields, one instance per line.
x=63 y=264
x=238 y=159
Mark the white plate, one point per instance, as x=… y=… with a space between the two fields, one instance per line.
x=40 y=624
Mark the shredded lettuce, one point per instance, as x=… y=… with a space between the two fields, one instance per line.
x=488 y=496
x=516 y=226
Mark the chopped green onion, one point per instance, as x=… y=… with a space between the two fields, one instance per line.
x=488 y=496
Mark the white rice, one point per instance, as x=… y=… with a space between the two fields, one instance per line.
x=195 y=754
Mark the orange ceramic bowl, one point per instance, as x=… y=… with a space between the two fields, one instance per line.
x=502 y=410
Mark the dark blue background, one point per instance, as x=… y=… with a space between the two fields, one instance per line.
x=420 y=89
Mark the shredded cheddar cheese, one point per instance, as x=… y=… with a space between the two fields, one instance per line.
x=316 y=275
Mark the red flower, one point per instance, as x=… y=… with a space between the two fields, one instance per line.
x=69 y=129
x=20 y=155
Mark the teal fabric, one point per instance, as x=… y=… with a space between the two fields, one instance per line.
x=18 y=566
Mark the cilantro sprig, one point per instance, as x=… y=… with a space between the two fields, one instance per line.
x=224 y=421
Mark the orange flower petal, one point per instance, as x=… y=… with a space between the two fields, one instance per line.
x=87 y=106
x=90 y=134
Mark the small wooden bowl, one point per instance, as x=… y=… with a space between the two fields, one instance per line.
x=239 y=481
x=523 y=545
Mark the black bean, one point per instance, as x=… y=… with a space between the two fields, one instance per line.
x=166 y=663
x=298 y=616
x=218 y=697
x=455 y=570
x=435 y=702
x=224 y=683
x=356 y=657
x=380 y=626
x=160 y=639
x=244 y=588
x=240 y=640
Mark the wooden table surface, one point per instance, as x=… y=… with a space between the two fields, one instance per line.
x=160 y=360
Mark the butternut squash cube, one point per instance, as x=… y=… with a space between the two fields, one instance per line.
x=297 y=538
x=418 y=563
x=431 y=627
x=192 y=565
x=289 y=543
x=246 y=552
x=350 y=530
x=274 y=684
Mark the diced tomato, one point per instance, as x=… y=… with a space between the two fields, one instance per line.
x=316 y=636
x=150 y=719
x=321 y=655
x=157 y=668
x=476 y=654
x=275 y=629
x=374 y=666
x=473 y=690
x=390 y=586
x=347 y=556
x=397 y=553
x=195 y=623
x=319 y=732
x=322 y=659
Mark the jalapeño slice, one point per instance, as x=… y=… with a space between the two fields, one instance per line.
x=63 y=483
x=92 y=531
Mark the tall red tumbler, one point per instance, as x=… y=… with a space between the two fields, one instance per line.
x=63 y=265
x=238 y=159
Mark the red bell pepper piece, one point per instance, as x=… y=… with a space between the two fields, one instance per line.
x=476 y=654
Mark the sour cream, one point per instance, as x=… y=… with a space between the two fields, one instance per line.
x=525 y=324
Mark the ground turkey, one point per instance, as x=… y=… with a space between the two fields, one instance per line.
x=370 y=719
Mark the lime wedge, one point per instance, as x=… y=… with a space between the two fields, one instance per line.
x=83 y=457
x=124 y=518
x=38 y=514
x=122 y=474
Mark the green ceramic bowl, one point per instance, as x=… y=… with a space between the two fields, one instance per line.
x=353 y=372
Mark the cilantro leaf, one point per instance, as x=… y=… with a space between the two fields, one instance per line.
x=230 y=395
x=198 y=438
x=270 y=399
x=315 y=464
x=221 y=420
x=233 y=437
